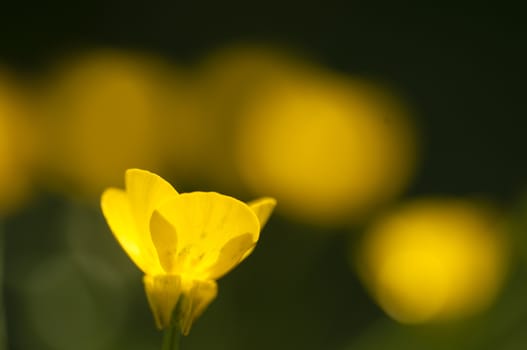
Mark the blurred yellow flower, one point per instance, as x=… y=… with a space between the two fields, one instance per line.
x=104 y=112
x=435 y=259
x=329 y=148
x=182 y=242
x=17 y=146
x=225 y=81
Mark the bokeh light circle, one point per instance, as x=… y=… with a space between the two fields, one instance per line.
x=101 y=115
x=331 y=149
x=434 y=259
x=17 y=145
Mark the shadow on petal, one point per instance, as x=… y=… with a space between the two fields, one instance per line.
x=231 y=254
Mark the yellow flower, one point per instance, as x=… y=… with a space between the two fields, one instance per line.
x=435 y=259
x=308 y=135
x=182 y=242
x=18 y=150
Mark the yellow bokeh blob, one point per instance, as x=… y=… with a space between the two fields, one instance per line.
x=331 y=149
x=104 y=113
x=434 y=259
x=225 y=81
x=17 y=146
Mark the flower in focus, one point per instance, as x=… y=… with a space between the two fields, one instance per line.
x=435 y=259
x=182 y=242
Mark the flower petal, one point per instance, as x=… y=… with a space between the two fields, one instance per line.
x=262 y=207
x=116 y=209
x=231 y=254
x=195 y=301
x=162 y=292
x=205 y=222
x=165 y=240
x=146 y=191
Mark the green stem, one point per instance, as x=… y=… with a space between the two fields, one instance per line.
x=171 y=338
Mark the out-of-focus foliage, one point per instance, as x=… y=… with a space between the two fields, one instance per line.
x=518 y=224
x=435 y=259
x=69 y=279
